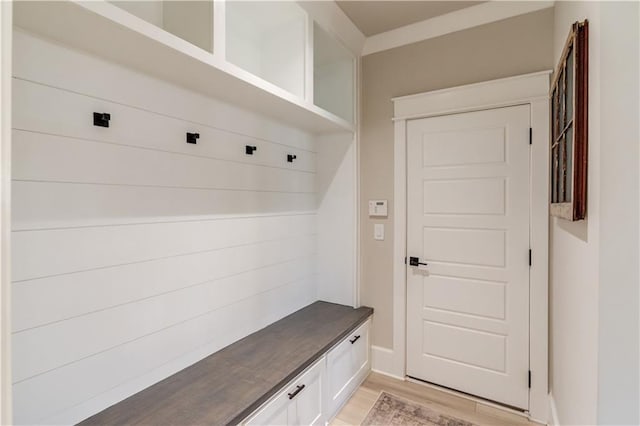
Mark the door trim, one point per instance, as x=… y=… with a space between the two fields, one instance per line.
x=531 y=89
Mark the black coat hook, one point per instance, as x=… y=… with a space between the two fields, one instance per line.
x=193 y=137
x=291 y=157
x=248 y=149
x=101 y=119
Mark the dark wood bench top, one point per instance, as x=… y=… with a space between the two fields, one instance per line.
x=227 y=386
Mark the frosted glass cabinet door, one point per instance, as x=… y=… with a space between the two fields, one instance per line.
x=333 y=75
x=191 y=20
x=268 y=38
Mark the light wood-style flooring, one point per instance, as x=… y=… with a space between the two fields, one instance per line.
x=356 y=409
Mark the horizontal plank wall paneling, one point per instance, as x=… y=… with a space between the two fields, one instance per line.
x=43 y=205
x=50 y=110
x=105 y=329
x=194 y=172
x=42 y=253
x=94 y=382
x=39 y=61
x=136 y=254
x=102 y=288
x=50 y=158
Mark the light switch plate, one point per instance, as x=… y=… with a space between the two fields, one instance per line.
x=378 y=208
x=378 y=231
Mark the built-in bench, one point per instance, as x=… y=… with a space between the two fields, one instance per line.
x=321 y=350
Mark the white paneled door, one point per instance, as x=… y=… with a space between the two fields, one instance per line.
x=468 y=221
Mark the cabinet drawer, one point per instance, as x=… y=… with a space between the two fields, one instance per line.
x=347 y=364
x=299 y=403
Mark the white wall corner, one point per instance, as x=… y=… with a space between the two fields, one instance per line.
x=337 y=222
x=553 y=412
x=6 y=36
x=330 y=17
x=383 y=361
x=484 y=13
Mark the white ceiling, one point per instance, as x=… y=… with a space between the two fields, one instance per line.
x=374 y=17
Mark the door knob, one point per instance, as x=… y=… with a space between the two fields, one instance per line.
x=415 y=261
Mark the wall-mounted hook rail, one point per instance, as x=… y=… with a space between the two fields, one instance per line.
x=101 y=119
x=193 y=137
x=249 y=149
x=291 y=157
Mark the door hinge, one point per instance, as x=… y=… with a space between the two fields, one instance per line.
x=529 y=257
x=530 y=135
x=529 y=379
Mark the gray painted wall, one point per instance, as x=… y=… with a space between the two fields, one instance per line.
x=510 y=47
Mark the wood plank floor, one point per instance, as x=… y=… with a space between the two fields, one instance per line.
x=356 y=409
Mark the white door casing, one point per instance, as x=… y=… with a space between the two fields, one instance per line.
x=468 y=218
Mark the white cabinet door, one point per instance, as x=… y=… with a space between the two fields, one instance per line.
x=316 y=395
x=468 y=224
x=347 y=364
x=308 y=407
x=275 y=413
x=300 y=403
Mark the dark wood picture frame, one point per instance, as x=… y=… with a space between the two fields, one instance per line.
x=569 y=127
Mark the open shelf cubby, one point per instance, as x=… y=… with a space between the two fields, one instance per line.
x=268 y=39
x=263 y=68
x=192 y=21
x=333 y=75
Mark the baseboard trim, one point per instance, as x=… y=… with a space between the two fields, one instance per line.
x=553 y=412
x=385 y=373
x=383 y=362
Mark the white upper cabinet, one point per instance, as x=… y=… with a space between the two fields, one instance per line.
x=333 y=75
x=268 y=39
x=192 y=21
x=266 y=56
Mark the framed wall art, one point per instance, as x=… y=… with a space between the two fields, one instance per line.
x=569 y=127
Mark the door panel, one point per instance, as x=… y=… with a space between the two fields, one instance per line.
x=468 y=218
x=482 y=247
x=464 y=146
x=462 y=295
x=453 y=343
x=465 y=196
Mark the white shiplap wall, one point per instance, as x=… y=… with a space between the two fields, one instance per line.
x=134 y=253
